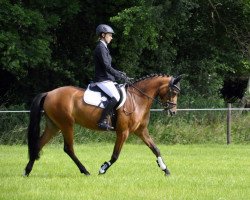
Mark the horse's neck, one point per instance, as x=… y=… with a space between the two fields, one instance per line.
x=144 y=92
x=149 y=86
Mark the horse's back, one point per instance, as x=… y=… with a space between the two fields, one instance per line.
x=63 y=95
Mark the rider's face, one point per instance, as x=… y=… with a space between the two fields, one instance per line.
x=107 y=37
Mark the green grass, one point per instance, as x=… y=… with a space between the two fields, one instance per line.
x=198 y=172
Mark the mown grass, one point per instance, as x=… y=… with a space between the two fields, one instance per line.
x=198 y=172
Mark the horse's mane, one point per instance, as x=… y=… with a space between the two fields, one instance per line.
x=148 y=77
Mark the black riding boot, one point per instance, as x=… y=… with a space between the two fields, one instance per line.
x=103 y=122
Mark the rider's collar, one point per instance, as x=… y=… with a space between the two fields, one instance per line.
x=104 y=43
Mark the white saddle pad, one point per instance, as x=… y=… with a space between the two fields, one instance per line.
x=96 y=98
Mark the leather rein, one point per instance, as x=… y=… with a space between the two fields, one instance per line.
x=166 y=105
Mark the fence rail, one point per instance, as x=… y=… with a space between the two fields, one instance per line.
x=204 y=109
x=153 y=110
x=229 y=110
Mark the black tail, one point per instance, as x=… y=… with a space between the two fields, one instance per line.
x=34 y=125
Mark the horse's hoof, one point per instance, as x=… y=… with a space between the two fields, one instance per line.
x=167 y=172
x=25 y=174
x=101 y=172
x=85 y=172
x=104 y=167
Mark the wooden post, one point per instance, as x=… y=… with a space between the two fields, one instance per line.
x=229 y=123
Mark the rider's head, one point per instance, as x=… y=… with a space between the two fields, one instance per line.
x=105 y=33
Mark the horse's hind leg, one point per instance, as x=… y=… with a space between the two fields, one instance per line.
x=68 y=148
x=49 y=131
x=144 y=135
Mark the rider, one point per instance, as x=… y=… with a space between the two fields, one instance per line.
x=105 y=74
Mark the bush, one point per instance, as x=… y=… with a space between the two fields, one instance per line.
x=198 y=127
x=13 y=125
x=187 y=127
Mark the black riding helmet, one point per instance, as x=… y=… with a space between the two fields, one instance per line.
x=103 y=28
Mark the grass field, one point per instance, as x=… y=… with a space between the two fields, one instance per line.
x=218 y=172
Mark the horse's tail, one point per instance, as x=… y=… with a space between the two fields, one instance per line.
x=34 y=125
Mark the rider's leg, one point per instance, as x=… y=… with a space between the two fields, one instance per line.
x=103 y=122
x=109 y=88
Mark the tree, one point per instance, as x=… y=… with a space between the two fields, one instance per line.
x=196 y=38
x=45 y=44
x=25 y=47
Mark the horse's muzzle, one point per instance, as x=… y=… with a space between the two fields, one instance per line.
x=172 y=112
x=169 y=107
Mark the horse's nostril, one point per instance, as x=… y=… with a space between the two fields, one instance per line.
x=172 y=112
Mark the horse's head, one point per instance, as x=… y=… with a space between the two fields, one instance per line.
x=168 y=94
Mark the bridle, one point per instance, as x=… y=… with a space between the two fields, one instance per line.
x=166 y=105
x=173 y=88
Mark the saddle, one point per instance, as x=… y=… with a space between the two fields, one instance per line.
x=96 y=97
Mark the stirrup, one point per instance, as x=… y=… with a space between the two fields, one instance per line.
x=105 y=126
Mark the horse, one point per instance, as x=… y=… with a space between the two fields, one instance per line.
x=64 y=106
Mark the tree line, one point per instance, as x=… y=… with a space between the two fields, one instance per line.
x=46 y=44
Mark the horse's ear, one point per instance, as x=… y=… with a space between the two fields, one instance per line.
x=177 y=79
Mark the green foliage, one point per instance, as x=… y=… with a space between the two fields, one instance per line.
x=199 y=127
x=138 y=26
x=22 y=39
x=45 y=44
x=187 y=127
x=13 y=127
x=26 y=46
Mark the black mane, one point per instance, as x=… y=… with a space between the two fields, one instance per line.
x=147 y=77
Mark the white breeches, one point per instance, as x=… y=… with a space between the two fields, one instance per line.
x=109 y=88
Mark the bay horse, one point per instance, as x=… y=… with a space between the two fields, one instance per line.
x=64 y=106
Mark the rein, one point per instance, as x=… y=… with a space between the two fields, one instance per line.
x=146 y=94
x=167 y=105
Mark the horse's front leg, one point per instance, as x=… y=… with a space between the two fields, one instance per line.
x=144 y=135
x=120 y=139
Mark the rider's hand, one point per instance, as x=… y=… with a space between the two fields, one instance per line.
x=126 y=78
x=123 y=73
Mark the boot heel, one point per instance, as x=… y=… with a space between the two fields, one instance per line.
x=105 y=126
